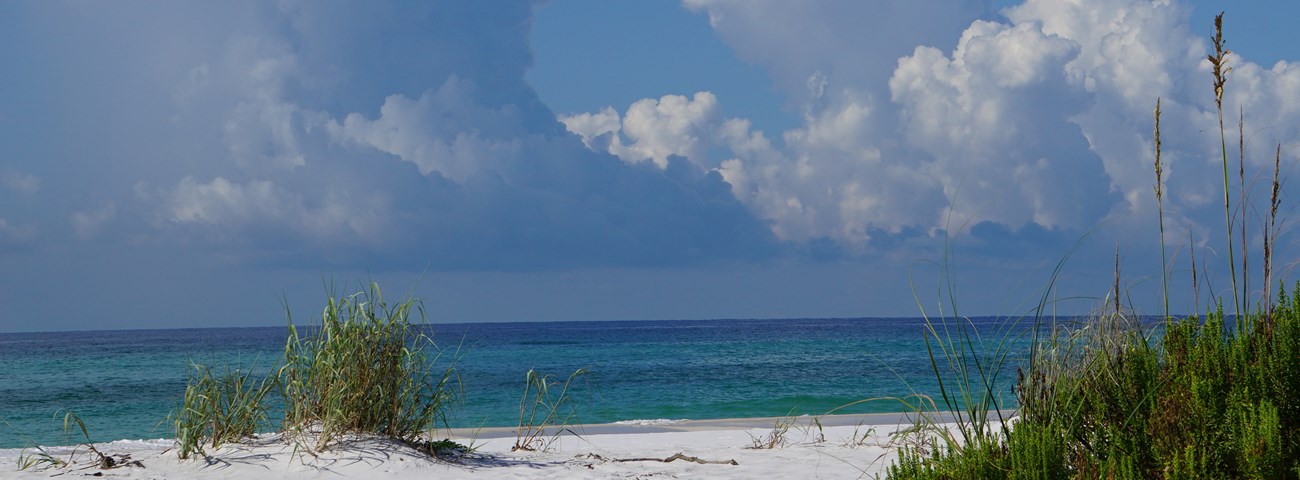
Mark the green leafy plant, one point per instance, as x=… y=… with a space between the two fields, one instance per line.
x=39 y=460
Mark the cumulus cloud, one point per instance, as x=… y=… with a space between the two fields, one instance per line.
x=220 y=200
x=812 y=50
x=1034 y=125
x=298 y=124
x=463 y=169
x=259 y=129
x=312 y=135
x=1130 y=53
x=442 y=131
x=993 y=119
x=652 y=130
x=246 y=213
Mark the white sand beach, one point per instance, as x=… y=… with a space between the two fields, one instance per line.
x=844 y=446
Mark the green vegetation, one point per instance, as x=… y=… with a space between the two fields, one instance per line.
x=1198 y=397
x=1216 y=396
x=42 y=459
x=218 y=409
x=541 y=412
x=777 y=436
x=1106 y=400
x=365 y=370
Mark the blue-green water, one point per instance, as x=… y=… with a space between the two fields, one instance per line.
x=123 y=383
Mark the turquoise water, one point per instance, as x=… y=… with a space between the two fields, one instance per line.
x=123 y=383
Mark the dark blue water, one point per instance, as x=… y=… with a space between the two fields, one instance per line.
x=124 y=383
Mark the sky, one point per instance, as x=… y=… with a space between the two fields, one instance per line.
x=192 y=164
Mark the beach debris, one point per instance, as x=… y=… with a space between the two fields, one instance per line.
x=673 y=458
x=445 y=449
x=105 y=461
x=42 y=459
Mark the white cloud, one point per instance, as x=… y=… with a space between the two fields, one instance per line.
x=598 y=130
x=311 y=123
x=88 y=224
x=993 y=121
x=1043 y=119
x=674 y=125
x=803 y=195
x=1130 y=53
x=815 y=47
x=653 y=129
x=221 y=201
x=12 y=236
x=436 y=150
x=1133 y=49
x=260 y=130
x=442 y=131
x=19 y=182
x=262 y=206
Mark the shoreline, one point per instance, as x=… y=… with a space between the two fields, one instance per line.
x=647 y=426
x=625 y=427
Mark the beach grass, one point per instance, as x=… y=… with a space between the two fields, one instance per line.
x=546 y=411
x=777 y=437
x=40 y=459
x=367 y=368
x=1210 y=396
x=219 y=408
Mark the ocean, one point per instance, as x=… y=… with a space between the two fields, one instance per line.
x=123 y=383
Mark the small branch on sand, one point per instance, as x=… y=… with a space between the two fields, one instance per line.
x=675 y=457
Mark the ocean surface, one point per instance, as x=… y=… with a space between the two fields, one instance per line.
x=124 y=383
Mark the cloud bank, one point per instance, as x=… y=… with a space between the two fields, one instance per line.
x=401 y=136
x=1032 y=125
x=186 y=147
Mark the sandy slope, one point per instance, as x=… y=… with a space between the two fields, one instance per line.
x=837 y=450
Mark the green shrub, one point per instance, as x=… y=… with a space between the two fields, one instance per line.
x=1258 y=442
x=1037 y=452
x=985 y=458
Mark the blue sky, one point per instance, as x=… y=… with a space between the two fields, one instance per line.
x=187 y=164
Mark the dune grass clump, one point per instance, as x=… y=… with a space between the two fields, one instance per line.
x=1216 y=396
x=219 y=409
x=546 y=411
x=366 y=369
x=1111 y=398
x=778 y=436
x=1204 y=400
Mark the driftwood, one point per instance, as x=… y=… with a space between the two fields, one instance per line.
x=675 y=457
